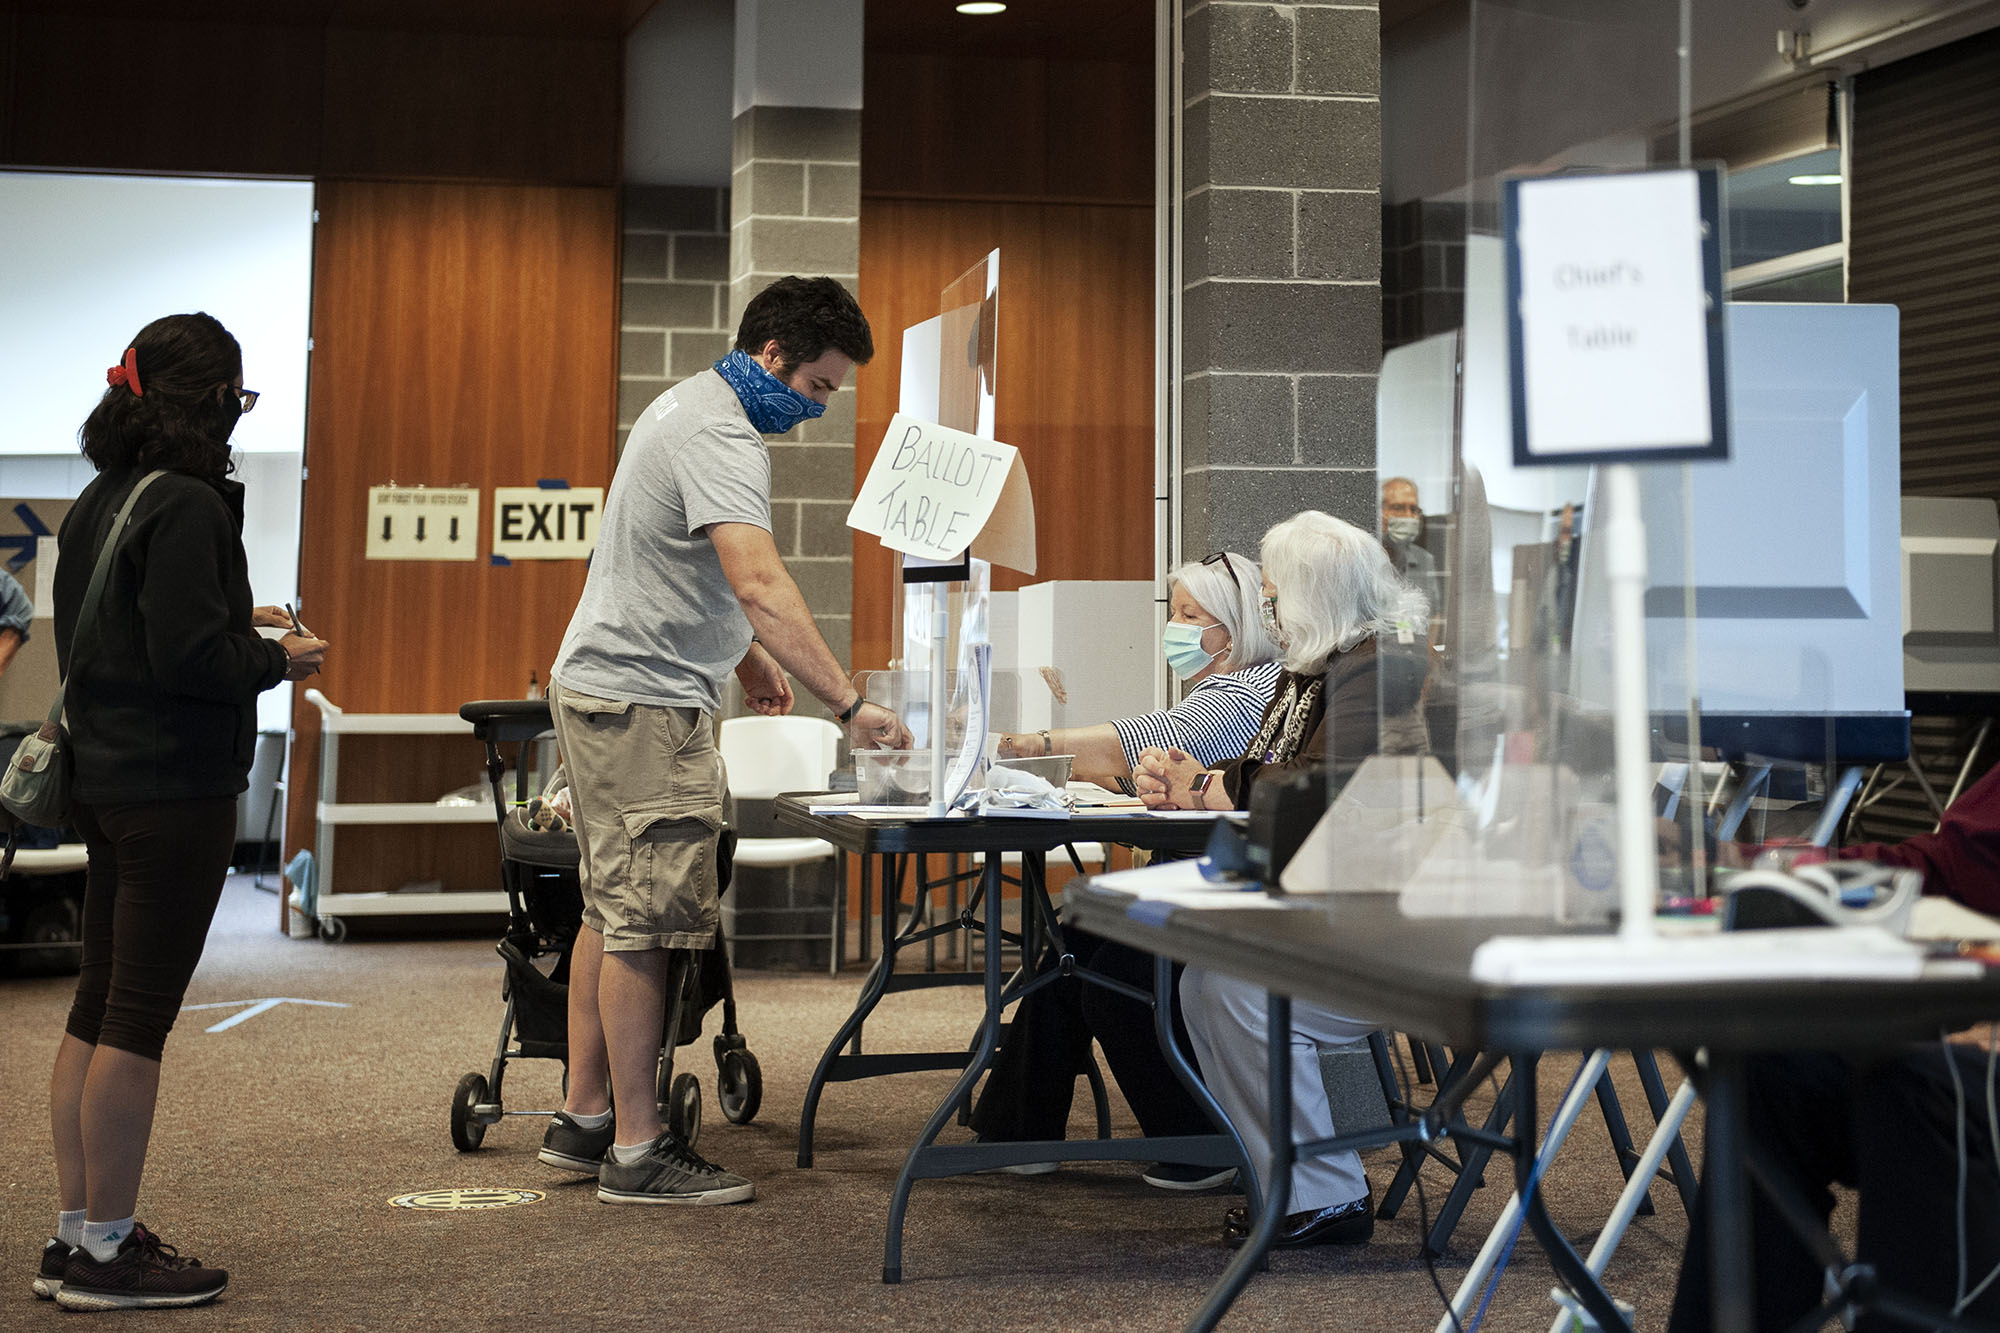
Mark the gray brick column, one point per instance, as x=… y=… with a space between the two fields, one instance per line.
x=1281 y=316
x=795 y=207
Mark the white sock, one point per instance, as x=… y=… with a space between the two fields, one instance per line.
x=598 y=1121
x=627 y=1153
x=102 y=1239
x=69 y=1227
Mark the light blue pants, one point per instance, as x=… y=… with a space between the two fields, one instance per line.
x=1225 y=1019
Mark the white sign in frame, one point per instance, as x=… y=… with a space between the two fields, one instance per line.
x=1615 y=317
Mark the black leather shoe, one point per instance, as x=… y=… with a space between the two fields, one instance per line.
x=1350 y=1223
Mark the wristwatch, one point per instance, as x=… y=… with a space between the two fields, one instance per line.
x=847 y=716
x=1200 y=781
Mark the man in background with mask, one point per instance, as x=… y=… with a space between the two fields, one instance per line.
x=1402 y=530
x=685 y=586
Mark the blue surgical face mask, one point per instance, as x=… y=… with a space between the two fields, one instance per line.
x=1182 y=645
x=773 y=406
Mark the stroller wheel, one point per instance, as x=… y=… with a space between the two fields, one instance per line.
x=467 y=1129
x=684 y=1108
x=741 y=1090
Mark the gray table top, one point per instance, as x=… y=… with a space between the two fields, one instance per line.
x=1358 y=954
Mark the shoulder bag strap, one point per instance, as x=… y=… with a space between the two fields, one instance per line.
x=86 y=611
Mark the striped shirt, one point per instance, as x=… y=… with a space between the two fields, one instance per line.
x=1215 y=723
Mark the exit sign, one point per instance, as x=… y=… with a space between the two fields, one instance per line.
x=546 y=523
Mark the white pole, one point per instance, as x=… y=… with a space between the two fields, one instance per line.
x=940 y=634
x=1625 y=562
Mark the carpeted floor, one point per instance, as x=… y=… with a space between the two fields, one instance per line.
x=282 y=1139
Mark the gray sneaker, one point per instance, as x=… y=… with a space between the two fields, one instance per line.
x=570 y=1146
x=670 y=1172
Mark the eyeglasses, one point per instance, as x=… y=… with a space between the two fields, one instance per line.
x=247 y=397
x=1222 y=558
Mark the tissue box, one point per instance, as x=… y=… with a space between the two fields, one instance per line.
x=1050 y=768
x=892 y=777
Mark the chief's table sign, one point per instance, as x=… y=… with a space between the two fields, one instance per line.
x=1615 y=317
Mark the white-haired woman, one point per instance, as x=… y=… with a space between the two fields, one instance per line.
x=1330 y=598
x=1214 y=641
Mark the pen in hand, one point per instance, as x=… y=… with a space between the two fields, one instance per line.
x=297 y=627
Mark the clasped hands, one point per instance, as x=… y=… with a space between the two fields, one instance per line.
x=1161 y=778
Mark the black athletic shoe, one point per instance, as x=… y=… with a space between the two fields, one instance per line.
x=670 y=1172
x=55 y=1266
x=144 y=1274
x=570 y=1146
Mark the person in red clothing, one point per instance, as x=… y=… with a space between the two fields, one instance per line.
x=1886 y=1126
x=1961 y=860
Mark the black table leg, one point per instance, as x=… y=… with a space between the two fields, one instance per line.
x=1257 y=1246
x=1569 y=1266
x=989 y=1040
x=1729 y=1260
x=1184 y=1070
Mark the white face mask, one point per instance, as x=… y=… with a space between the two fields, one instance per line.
x=1267 y=610
x=1402 y=531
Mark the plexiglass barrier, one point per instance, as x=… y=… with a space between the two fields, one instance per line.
x=1772 y=611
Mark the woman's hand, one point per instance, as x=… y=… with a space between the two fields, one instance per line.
x=270 y=617
x=1022 y=745
x=1162 y=778
x=306 y=654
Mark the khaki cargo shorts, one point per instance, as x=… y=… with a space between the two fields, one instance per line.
x=646 y=791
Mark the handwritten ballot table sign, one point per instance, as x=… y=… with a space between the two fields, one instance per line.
x=1615 y=316
x=935 y=492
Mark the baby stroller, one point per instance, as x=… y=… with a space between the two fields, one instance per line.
x=540 y=870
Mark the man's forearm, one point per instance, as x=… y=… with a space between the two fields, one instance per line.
x=784 y=626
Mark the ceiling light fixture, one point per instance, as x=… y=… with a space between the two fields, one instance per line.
x=1833 y=179
x=982 y=7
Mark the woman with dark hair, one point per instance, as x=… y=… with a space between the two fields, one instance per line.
x=162 y=685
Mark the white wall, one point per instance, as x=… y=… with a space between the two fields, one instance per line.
x=89 y=260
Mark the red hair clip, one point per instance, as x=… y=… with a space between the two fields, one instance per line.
x=127 y=373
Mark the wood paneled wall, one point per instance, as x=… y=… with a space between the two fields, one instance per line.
x=80 y=92
x=1050 y=161
x=463 y=335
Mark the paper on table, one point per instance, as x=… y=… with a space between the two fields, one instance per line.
x=1935 y=918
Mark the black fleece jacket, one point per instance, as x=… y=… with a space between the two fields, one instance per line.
x=162 y=696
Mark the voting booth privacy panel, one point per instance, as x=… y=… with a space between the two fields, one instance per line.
x=1769 y=614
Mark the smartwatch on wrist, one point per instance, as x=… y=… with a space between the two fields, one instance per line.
x=1199 y=783
x=847 y=716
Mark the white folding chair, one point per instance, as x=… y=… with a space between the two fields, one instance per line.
x=766 y=756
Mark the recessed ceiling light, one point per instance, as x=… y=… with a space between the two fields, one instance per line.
x=982 y=7
x=1833 y=179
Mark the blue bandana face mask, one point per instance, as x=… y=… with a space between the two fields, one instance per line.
x=774 y=406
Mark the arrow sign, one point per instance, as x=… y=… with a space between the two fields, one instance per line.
x=387 y=523
x=255 y=1008
x=420 y=527
x=454 y=531
x=24 y=543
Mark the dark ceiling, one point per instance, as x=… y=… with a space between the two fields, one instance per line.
x=1120 y=30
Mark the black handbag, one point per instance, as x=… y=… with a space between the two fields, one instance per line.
x=35 y=788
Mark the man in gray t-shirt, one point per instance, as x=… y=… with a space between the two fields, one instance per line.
x=685 y=586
